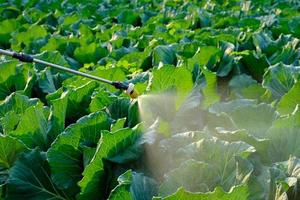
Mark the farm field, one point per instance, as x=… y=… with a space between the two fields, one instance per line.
x=217 y=117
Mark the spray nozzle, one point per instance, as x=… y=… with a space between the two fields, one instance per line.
x=129 y=89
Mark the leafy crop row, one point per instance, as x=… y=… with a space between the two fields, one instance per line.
x=230 y=129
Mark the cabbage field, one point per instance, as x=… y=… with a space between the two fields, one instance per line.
x=218 y=116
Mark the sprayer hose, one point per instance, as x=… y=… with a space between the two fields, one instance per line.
x=28 y=58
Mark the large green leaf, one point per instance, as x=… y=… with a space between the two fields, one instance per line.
x=228 y=61
x=28 y=39
x=283 y=136
x=10 y=149
x=100 y=100
x=65 y=154
x=160 y=156
x=179 y=140
x=58 y=110
x=222 y=120
x=255 y=91
x=290 y=100
x=255 y=118
x=30 y=178
x=260 y=145
x=113 y=74
x=68 y=105
x=110 y=144
x=280 y=78
x=287 y=55
x=164 y=54
x=79 y=99
x=9 y=122
x=118 y=54
x=32 y=128
x=119 y=108
x=294 y=26
x=90 y=53
x=134 y=186
x=263 y=42
x=49 y=79
x=136 y=60
x=244 y=86
x=194 y=176
x=219 y=154
x=257 y=64
x=155 y=106
x=168 y=77
x=13 y=77
x=188 y=49
x=245 y=114
x=230 y=106
x=287 y=177
x=241 y=81
x=46 y=81
x=256 y=176
x=120 y=123
x=207 y=56
x=133 y=114
x=8 y=27
x=187 y=116
x=210 y=90
x=237 y=193
x=17 y=103
x=128 y=17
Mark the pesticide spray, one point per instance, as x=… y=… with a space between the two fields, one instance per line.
x=163 y=118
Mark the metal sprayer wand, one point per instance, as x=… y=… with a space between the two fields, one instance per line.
x=28 y=58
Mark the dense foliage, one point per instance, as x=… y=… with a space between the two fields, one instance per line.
x=233 y=67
